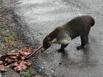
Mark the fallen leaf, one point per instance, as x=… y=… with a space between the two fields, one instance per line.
x=20 y=65
x=2 y=68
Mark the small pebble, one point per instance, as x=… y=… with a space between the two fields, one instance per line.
x=60 y=63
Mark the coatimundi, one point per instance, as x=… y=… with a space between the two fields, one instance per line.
x=79 y=26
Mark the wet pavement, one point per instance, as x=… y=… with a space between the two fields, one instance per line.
x=42 y=16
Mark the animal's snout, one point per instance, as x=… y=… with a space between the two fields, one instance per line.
x=46 y=45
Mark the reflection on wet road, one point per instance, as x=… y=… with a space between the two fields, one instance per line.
x=42 y=16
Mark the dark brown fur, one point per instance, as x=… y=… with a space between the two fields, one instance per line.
x=79 y=26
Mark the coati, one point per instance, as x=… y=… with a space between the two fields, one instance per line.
x=79 y=26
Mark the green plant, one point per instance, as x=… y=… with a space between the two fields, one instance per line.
x=26 y=73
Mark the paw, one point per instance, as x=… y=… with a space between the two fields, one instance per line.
x=61 y=50
x=79 y=47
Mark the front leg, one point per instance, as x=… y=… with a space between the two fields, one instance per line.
x=84 y=41
x=62 y=48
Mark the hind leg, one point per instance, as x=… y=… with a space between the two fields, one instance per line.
x=84 y=41
x=62 y=47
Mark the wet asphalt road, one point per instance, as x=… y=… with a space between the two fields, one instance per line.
x=42 y=16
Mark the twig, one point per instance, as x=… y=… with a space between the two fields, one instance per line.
x=34 y=52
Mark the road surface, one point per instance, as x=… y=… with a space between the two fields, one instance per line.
x=42 y=16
